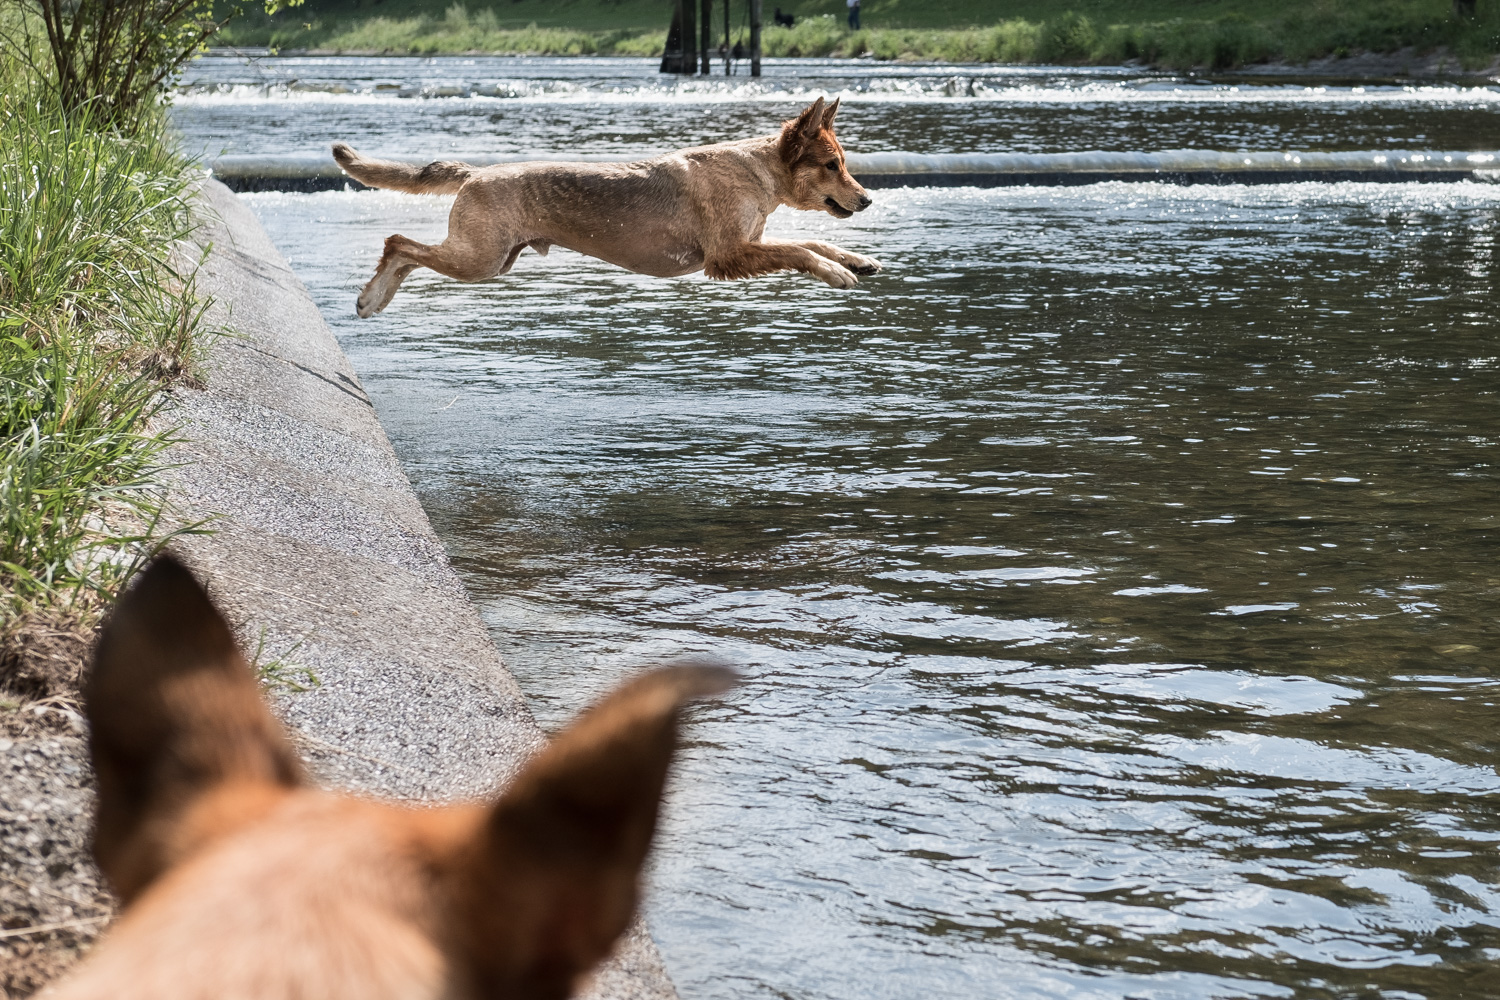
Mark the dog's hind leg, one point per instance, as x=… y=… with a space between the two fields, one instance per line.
x=856 y=262
x=460 y=260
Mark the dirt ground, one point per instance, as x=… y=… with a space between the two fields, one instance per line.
x=53 y=901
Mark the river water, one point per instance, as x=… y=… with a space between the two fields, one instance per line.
x=1113 y=579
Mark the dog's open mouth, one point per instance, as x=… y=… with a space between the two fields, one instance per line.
x=838 y=210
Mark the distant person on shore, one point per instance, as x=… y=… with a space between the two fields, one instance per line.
x=853 y=15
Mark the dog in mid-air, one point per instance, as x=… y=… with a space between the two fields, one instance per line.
x=243 y=882
x=696 y=209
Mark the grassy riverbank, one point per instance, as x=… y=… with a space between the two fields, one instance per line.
x=1178 y=33
x=97 y=314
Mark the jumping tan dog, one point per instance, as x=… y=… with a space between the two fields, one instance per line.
x=696 y=209
x=241 y=882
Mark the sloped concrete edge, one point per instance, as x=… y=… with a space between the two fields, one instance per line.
x=325 y=562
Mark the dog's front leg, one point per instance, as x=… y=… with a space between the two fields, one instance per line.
x=856 y=262
x=750 y=259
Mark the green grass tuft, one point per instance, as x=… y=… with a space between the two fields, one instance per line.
x=98 y=310
x=280 y=671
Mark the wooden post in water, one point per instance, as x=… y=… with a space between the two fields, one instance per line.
x=707 y=36
x=755 y=37
x=681 y=54
x=671 y=53
x=727 y=50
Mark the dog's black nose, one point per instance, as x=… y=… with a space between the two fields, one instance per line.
x=865 y=201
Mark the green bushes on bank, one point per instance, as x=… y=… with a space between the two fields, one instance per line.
x=1159 y=33
x=460 y=31
x=1217 y=43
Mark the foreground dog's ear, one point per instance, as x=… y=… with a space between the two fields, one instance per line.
x=799 y=132
x=552 y=880
x=832 y=112
x=174 y=713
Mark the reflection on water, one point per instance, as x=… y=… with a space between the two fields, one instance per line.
x=1114 y=578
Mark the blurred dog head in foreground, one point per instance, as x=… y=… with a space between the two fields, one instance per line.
x=240 y=880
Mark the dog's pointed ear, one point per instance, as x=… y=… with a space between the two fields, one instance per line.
x=832 y=112
x=552 y=879
x=812 y=116
x=797 y=133
x=174 y=714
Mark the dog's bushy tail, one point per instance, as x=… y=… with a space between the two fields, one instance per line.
x=441 y=177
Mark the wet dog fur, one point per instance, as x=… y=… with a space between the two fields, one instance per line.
x=240 y=880
x=703 y=208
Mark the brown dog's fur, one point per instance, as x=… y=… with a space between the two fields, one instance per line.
x=696 y=209
x=241 y=881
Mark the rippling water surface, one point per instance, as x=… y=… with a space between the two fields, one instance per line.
x=1114 y=578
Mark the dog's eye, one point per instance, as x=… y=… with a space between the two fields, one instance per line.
x=833 y=164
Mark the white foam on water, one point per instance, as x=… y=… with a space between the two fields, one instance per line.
x=1115 y=195
x=1409 y=195
x=955 y=89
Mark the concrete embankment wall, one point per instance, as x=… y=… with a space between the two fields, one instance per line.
x=323 y=560
x=318 y=549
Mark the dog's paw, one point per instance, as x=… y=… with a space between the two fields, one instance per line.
x=365 y=306
x=837 y=275
x=860 y=264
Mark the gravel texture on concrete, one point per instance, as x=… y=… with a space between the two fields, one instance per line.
x=325 y=563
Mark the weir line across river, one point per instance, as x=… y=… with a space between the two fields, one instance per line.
x=318 y=172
